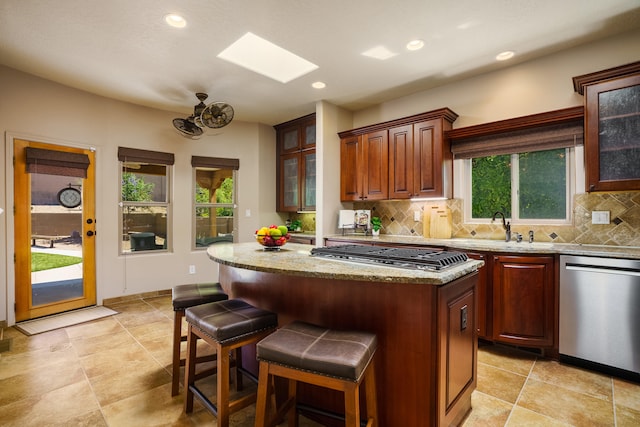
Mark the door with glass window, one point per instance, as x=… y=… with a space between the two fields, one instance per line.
x=55 y=228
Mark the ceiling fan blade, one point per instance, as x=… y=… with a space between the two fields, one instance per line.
x=217 y=115
x=187 y=127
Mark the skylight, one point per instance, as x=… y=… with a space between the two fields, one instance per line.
x=379 y=52
x=263 y=57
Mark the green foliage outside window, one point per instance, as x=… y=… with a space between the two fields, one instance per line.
x=490 y=186
x=542 y=179
x=224 y=195
x=543 y=183
x=135 y=189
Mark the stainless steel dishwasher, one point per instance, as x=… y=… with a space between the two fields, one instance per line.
x=600 y=312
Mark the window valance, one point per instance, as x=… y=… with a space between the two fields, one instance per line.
x=135 y=155
x=520 y=141
x=51 y=162
x=215 y=162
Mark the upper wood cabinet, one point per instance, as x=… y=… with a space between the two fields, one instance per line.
x=400 y=159
x=364 y=167
x=296 y=172
x=612 y=128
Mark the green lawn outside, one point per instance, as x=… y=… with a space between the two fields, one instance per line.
x=43 y=261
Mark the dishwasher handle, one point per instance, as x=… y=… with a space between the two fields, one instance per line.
x=603 y=269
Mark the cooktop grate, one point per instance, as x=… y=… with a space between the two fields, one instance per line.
x=410 y=258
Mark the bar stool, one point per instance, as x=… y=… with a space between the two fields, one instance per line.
x=339 y=360
x=183 y=297
x=226 y=325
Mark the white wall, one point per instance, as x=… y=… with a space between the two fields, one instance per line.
x=532 y=87
x=41 y=110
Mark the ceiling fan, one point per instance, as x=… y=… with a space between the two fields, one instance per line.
x=214 y=115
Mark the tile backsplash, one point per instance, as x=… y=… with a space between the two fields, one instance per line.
x=624 y=229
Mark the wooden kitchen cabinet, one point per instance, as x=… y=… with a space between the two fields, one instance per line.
x=400 y=159
x=524 y=300
x=417 y=155
x=364 y=167
x=296 y=173
x=484 y=294
x=612 y=128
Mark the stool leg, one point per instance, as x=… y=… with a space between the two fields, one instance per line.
x=190 y=369
x=352 y=405
x=177 y=339
x=222 y=386
x=372 y=399
x=293 y=411
x=262 y=400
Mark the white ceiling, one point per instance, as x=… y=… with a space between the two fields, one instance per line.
x=122 y=49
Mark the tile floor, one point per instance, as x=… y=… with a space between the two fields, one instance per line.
x=116 y=372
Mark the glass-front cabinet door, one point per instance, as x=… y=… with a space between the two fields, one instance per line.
x=309 y=182
x=612 y=129
x=289 y=189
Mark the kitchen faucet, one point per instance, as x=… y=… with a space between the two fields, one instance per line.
x=506 y=224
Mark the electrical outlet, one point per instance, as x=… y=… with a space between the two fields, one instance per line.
x=600 y=217
x=192 y=269
x=416 y=215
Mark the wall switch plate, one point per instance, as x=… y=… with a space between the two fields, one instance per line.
x=416 y=215
x=192 y=269
x=247 y=213
x=600 y=217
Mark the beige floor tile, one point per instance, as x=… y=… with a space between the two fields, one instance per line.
x=135 y=378
x=496 y=382
x=64 y=406
x=573 y=378
x=487 y=411
x=96 y=328
x=627 y=417
x=39 y=381
x=12 y=363
x=98 y=344
x=521 y=417
x=566 y=405
x=115 y=361
x=22 y=343
x=154 y=407
x=507 y=358
x=627 y=394
x=131 y=320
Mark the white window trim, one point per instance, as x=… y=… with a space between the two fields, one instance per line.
x=575 y=179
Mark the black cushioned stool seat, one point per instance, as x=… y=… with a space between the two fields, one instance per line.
x=226 y=325
x=339 y=360
x=183 y=297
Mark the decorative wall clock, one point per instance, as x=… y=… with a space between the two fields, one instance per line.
x=69 y=197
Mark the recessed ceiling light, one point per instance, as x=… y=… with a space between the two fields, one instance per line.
x=503 y=56
x=415 y=45
x=263 y=57
x=318 y=85
x=174 y=20
x=379 y=52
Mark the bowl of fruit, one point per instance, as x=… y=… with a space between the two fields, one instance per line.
x=273 y=237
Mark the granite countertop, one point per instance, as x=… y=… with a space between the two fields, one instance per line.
x=483 y=245
x=295 y=259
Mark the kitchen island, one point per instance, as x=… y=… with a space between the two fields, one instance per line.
x=424 y=320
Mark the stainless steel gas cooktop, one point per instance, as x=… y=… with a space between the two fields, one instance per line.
x=409 y=258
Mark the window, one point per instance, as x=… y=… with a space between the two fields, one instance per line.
x=145 y=200
x=528 y=173
x=530 y=187
x=214 y=200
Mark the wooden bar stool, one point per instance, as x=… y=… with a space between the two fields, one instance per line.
x=183 y=297
x=226 y=325
x=339 y=360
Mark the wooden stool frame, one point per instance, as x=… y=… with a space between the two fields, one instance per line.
x=178 y=338
x=223 y=406
x=350 y=389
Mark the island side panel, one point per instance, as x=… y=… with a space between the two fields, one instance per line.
x=403 y=316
